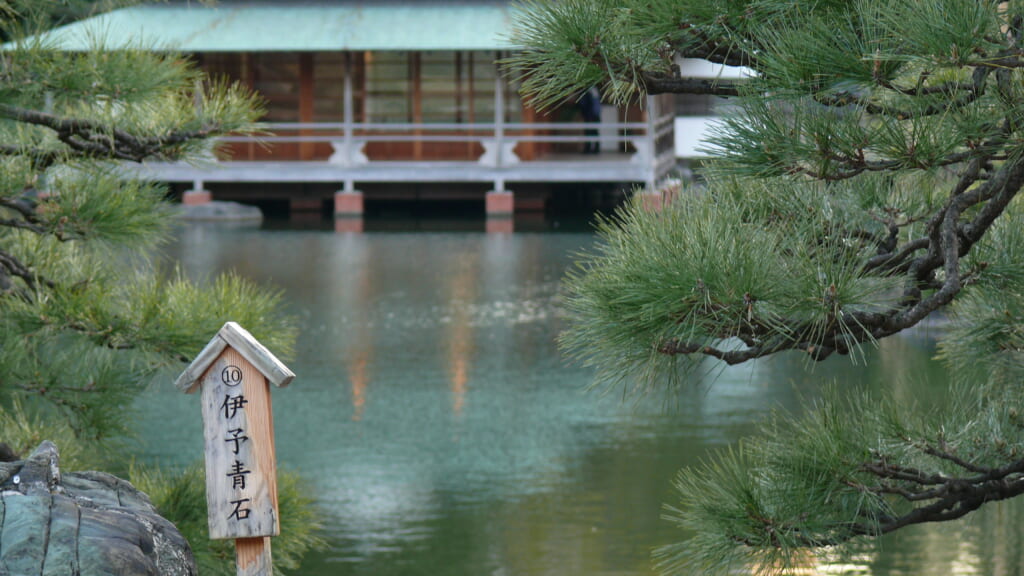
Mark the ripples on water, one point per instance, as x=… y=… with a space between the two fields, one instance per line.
x=444 y=435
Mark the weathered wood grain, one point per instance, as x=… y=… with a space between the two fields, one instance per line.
x=241 y=476
x=233 y=335
x=241 y=340
x=188 y=381
x=252 y=557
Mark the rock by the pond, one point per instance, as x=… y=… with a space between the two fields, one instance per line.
x=221 y=211
x=82 y=523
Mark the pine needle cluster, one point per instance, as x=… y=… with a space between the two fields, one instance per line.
x=864 y=179
x=86 y=317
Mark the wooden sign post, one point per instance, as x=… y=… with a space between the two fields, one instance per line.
x=234 y=373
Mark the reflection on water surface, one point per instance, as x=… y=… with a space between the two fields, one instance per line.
x=444 y=434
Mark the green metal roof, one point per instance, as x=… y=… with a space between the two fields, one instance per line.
x=296 y=26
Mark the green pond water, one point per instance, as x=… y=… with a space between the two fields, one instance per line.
x=445 y=435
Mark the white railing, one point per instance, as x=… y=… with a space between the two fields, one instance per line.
x=497 y=141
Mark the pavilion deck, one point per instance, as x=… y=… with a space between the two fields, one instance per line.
x=349 y=154
x=399 y=92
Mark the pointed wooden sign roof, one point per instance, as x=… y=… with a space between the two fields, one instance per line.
x=243 y=342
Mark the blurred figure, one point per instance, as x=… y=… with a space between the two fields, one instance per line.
x=590 y=106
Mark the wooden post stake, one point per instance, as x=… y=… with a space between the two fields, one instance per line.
x=252 y=557
x=234 y=373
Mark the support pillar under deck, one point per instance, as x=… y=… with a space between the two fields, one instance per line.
x=197 y=195
x=348 y=203
x=500 y=204
x=348 y=209
x=657 y=198
x=500 y=226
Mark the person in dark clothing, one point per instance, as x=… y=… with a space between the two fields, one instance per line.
x=590 y=106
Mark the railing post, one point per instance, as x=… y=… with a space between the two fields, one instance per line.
x=306 y=96
x=347 y=112
x=499 y=112
x=499 y=202
x=348 y=202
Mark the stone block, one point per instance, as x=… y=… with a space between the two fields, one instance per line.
x=348 y=203
x=196 y=197
x=500 y=203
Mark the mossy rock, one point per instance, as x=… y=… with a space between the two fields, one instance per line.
x=82 y=523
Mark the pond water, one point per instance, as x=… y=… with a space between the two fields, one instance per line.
x=444 y=434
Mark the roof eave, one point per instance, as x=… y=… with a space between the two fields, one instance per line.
x=238 y=338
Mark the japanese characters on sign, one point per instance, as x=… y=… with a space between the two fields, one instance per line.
x=231 y=376
x=240 y=484
x=234 y=373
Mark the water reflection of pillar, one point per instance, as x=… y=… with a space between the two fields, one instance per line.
x=460 y=350
x=500 y=225
x=460 y=333
x=504 y=267
x=355 y=288
x=357 y=375
x=348 y=224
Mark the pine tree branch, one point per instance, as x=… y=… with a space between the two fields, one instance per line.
x=22 y=225
x=945 y=454
x=885 y=469
x=818 y=350
x=889 y=279
x=906 y=494
x=975 y=90
x=958 y=499
x=951 y=498
x=31 y=221
x=956 y=496
x=896 y=262
x=718 y=51
x=660 y=84
x=857 y=166
x=41 y=158
x=25 y=206
x=11 y=267
x=673 y=347
x=98 y=140
x=112 y=339
x=950 y=87
x=1006 y=62
x=948 y=240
